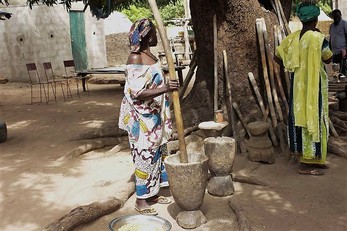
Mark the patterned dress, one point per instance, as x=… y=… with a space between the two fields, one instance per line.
x=308 y=126
x=148 y=125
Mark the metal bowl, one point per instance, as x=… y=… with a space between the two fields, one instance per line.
x=150 y=221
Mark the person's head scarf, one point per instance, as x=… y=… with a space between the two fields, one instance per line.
x=307 y=12
x=137 y=31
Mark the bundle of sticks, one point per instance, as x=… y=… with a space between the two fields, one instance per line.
x=275 y=105
x=282 y=20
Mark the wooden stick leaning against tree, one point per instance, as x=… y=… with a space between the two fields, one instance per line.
x=286 y=73
x=192 y=66
x=243 y=122
x=229 y=95
x=259 y=25
x=277 y=11
x=265 y=112
x=281 y=16
x=258 y=95
x=278 y=75
x=271 y=72
x=215 y=56
x=281 y=128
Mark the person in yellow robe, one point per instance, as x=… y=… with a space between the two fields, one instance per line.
x=303 y=53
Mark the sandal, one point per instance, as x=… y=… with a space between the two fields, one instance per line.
x=313 y=172
x=147 y=211
x=159 y=200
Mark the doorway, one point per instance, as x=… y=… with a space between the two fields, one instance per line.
x=78 y=40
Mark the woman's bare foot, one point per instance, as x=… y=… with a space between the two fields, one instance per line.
x=142 y=203
x=143 y=207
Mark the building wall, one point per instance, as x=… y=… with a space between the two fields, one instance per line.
x=43 y=35
x=95 y=38
x=343 y=8
x=117 y=27
x=38 y=35
x=341 y=5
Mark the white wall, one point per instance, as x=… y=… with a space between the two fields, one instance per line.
x=38 y=35
x=343 y=8
x=116 y=23
x=95 y=40
x=43 y=35
x=341 y=5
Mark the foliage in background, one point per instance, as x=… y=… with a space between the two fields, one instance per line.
x=100 y=8
x=137 y=12
x=168 y=12
x=134 y=9
x=172 y=11
x=325 y=5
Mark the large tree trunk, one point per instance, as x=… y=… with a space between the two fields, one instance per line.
x=237 y=35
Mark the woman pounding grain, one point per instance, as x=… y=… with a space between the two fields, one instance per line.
x=145 y=115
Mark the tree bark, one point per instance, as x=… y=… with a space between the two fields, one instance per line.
x=236 y=35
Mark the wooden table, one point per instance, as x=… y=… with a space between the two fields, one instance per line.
x=121 y=70
x=179 y=70
x=107 y=70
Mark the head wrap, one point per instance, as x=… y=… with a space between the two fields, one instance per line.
x=137 y=31
x=307 y=12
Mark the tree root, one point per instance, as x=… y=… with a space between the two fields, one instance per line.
x=248 y=180
x=338 y=146
x=120 y=142
x=339 y=114
x=339 y=122
x=241 y=218
x=85 y=214
x=108 y=129
x=339 y=125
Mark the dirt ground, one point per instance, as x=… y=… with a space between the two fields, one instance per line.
x=41 y=180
